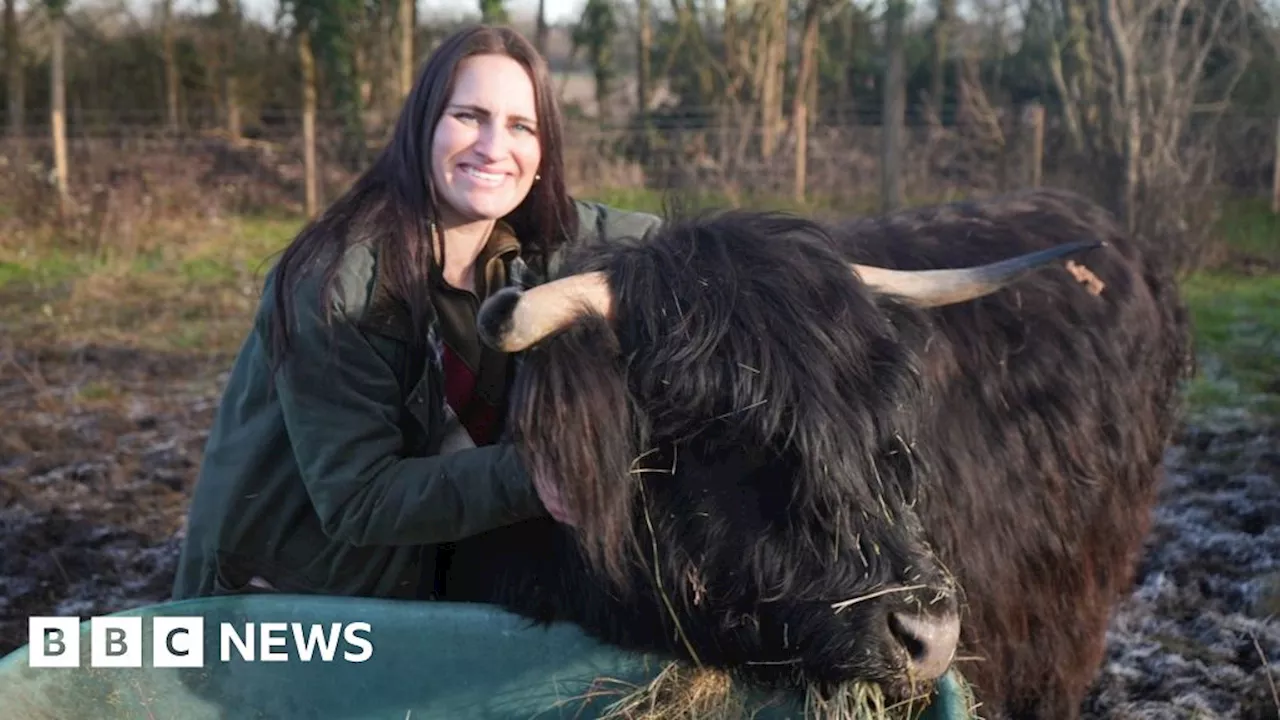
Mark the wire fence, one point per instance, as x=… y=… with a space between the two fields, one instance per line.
x=142 y=159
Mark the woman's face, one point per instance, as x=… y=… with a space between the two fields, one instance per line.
x=485 y=150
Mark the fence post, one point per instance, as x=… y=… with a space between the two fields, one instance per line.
x=1275 y=175
x=802 y=149
x=309 y=171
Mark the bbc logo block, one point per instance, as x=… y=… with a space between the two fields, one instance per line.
x=116 y=642
x=177 y=642
x=55 y=642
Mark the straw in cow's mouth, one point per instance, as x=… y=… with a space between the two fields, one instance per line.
x=684 y=692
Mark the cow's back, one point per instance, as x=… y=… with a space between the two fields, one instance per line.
x=1052 y=403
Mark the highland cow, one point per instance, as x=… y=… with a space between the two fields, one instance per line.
x=872 y=450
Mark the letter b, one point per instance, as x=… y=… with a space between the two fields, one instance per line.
x=116 y=642
x=53 y=642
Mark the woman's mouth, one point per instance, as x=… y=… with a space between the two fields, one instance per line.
x=480 y=177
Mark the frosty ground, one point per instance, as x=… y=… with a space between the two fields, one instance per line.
x=101 y=446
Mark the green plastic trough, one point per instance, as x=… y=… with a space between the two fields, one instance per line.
x=429 y=661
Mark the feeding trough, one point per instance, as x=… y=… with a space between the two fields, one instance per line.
x=422 y=661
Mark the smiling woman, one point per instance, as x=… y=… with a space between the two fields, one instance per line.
x=361 y=431
x=485 y=153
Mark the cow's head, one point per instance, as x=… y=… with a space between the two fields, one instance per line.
x=734 y=403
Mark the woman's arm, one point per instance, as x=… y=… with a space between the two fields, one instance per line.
x=597 y=221
x=341 y=402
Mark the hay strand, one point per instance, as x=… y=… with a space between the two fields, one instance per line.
x=681 y=692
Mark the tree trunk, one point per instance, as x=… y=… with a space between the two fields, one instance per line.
x=58 y=107
x=773 y=33
x=540 y=33
x=644 y=50
x=170 y=60
x=229 y=26
x=894 y=109
x=941 y=34
x=1129 y=122
x=13 y=69
x=306 y=59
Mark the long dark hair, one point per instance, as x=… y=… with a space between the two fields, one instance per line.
x=393 y=203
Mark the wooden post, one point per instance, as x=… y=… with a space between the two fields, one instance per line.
x=408 y=23
x=1036 y=118
x=1275 y=175
x=806 y=79
x=894 y=109
x=58 y=108
x=801 y=120
x=307 y=61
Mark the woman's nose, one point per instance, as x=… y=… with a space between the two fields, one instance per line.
x=492 y=143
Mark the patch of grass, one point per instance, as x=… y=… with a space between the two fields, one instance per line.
x=1249 y=228
x=1237 y=329
x=194 y=286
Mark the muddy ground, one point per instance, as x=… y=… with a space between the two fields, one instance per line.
x=99 y=448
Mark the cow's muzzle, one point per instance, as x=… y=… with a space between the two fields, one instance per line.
x=929 y=641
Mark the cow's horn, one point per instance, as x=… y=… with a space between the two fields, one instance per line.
x=931 y=288
x=513 y=320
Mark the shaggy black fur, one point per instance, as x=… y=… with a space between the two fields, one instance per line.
x=758 y=437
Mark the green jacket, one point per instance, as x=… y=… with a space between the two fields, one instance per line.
x=336 y=483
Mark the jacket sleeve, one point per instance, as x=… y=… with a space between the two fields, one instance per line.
x=598 y=222
x=601 y=223
x=341 y=401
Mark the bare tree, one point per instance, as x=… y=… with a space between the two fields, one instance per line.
x=540 y=33
x=229 y=32
x=170 y=60
x=771 y=59
x=644 y=54
x=13 y=68
x=1141 y=103
x=942 y=30
x=595 y=34
x=806 y=80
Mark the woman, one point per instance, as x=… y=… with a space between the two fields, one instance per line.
x=358 y=434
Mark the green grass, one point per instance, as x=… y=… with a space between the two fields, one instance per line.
x=192 y=287
x=1248 y=227
x=195 y=285
x=1237 y=331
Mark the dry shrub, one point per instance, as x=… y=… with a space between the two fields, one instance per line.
x=122 y=188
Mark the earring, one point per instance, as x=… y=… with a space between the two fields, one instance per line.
x=537 y=177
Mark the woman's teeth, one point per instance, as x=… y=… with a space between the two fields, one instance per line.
x=485 y=178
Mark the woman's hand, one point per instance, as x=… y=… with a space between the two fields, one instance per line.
x=552 y=499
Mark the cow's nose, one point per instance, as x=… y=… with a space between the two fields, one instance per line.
x=930 y=641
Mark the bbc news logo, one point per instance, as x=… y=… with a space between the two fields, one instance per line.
x=178 y=642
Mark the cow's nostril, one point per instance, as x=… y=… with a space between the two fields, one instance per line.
x=930 y=641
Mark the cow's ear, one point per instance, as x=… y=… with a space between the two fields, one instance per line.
x=512 y=320
x=931 y=288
